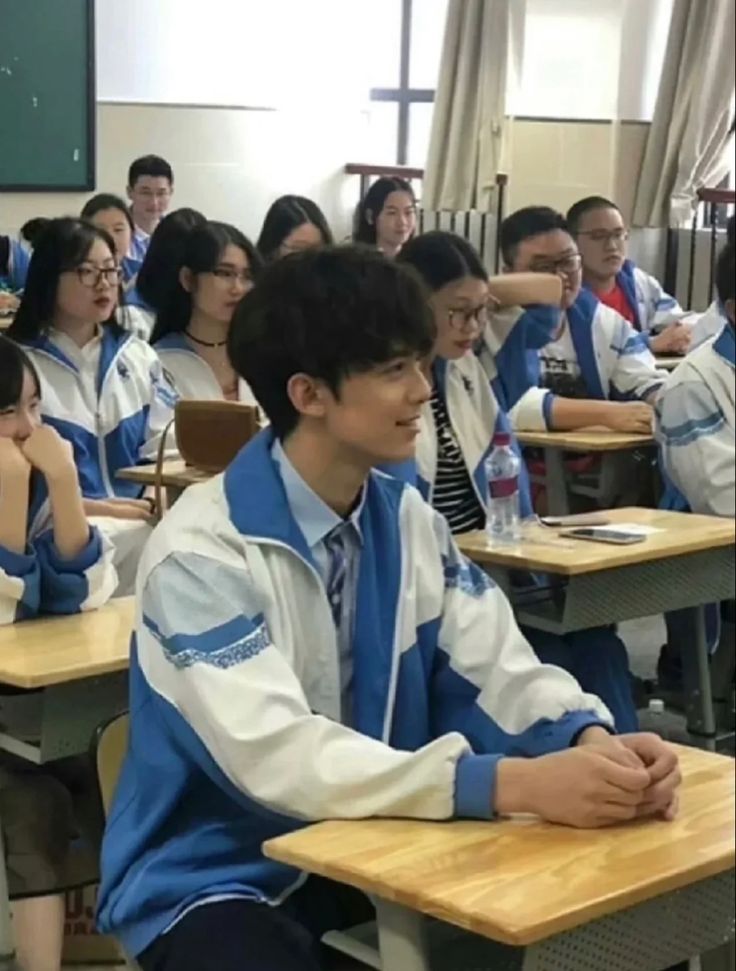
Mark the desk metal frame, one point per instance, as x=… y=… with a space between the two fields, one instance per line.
x=650 y=936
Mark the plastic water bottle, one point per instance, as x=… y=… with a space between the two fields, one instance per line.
x=502 y=471
x=655 y=720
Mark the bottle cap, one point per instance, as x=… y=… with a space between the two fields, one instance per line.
x=502 y=438
x=656 y=705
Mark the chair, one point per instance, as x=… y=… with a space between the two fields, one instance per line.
x=109 y=746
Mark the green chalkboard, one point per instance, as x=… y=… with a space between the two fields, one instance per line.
x=47 y=95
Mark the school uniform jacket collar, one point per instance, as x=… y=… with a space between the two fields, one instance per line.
x=259 y=509
x=725 y=345
x=627 y=281
x=112 y=339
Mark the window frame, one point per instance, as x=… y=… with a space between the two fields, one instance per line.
x=404 y=95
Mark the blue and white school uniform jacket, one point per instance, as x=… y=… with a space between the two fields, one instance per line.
x=696 y=426
x=39 y=581
x=135 y=403
x=708 y=325
x=475 y=417
x=653 y=307
x=191 y=375
x=615 y=360
x=236 y=733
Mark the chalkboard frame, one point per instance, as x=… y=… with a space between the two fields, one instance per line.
x=90 y=181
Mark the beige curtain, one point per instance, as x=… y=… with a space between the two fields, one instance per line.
x=482 y=50
x=690 y=133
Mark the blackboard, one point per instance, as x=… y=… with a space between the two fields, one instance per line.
x=47 y=95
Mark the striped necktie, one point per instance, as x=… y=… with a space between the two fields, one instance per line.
x=337 y=571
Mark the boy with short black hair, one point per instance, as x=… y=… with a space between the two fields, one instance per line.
x=601 y=234
x=150 y=187
x=310 y=644
x=696 y=414
x=570 y=366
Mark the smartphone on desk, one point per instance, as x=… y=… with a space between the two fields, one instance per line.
x=600 y=534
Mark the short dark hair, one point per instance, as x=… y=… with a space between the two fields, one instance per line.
x=726 y=274
x=13 y=363
x=63 y=246
x=373 y=202
x=159 y=272
x=283 y=217
x=525 y=224
x=152 y=165
x=200 y=253
x=328 y=313
x=103 y=201
x=582 y=207
x=441 y=258
x=32 y=229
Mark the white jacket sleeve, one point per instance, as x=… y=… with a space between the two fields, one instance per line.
x=519 y=705
x=531 y=413
x=698 y=445
x=661 y=308
x=634 y=372
x=204 y=645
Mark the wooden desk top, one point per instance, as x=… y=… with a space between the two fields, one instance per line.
x=53 y=650
x=520 y=881
x=175 y=474
x=544 y=550
x=593 y=439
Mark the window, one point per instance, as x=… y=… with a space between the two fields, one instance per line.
x=599 y=60
x=407 y=45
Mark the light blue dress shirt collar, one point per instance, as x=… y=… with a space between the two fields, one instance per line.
x=313 y=516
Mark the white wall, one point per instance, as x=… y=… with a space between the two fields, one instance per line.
x=229 y=163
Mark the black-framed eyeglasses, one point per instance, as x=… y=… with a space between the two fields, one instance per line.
x=617 y=236
x=462 y=319
x=566 y=264
x=230 y=276
x=92 y=276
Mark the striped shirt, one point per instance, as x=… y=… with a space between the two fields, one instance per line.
x=454 y=495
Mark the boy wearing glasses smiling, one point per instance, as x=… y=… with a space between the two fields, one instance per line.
x=601 y=235
x=104 y=390
x=150 y=187
x=570 y=366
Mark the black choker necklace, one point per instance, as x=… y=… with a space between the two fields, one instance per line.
x=205 y=343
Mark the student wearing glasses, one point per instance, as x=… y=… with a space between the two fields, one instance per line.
x=150 y=188
x=217 y=267
x=601 y=235
x=456 y=433
x=108 y=212
x=103 y=389
x=570 y=366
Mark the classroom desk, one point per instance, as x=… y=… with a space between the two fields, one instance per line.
x=589 y=440
x=688 y=564
x=71 y=675
x=533 y=896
